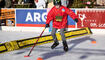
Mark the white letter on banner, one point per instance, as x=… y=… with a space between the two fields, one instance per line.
x=37 y=17
x=44 y=17
x=29 y=17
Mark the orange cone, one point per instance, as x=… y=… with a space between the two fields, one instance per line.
x=39 y=58
x=93 y=42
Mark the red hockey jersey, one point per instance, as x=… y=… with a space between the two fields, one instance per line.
x=59 y=16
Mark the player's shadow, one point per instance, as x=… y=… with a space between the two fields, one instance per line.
x=78 y=41
x=51 y=54
x=61 y=52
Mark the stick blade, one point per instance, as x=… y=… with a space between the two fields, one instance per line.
x=26 y=56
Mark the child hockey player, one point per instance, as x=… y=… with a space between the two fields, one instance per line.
x=58 y=14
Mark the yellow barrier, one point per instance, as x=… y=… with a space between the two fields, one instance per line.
x=24 y=43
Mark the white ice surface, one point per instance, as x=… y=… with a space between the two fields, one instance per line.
x=79 y=49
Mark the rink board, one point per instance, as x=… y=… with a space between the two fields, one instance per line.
x=28 y=42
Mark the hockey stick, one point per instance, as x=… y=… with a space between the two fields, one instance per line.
x=35 y=44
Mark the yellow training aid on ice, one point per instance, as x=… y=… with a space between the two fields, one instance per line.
x=24 y=43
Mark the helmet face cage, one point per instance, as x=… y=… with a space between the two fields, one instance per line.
x=57 y=2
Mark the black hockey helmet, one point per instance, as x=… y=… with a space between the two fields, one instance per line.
x=57 y=2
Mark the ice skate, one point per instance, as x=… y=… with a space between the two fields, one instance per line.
x=55 y=44
x=65 y=46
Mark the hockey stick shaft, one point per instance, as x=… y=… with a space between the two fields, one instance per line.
x=35 y=43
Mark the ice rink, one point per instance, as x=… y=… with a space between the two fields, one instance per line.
x=79 y=49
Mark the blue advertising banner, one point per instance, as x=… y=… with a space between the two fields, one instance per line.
x=31 y=17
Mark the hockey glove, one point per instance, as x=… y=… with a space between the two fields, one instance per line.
x=76 y=20
x=47 y=25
